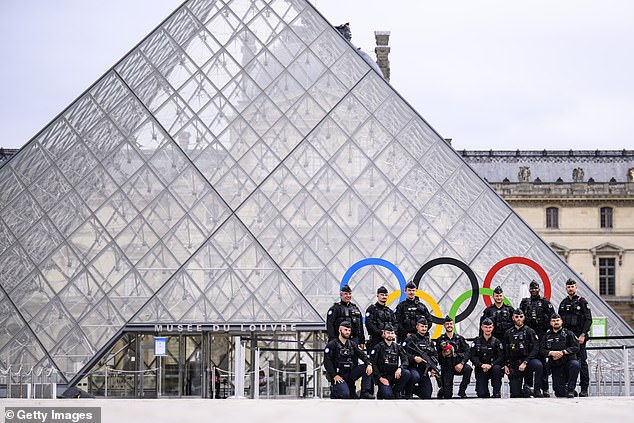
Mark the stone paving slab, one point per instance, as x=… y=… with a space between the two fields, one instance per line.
x=594 y=409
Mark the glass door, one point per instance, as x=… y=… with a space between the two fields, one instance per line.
x=192 y=374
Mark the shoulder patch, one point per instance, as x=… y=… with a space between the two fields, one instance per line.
x=404 y=343
x=372 y=352
x=367 y=314
x=327 y=350
x=329 y=312
x=473 y=344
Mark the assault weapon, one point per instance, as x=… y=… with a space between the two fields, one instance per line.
x=430 y=361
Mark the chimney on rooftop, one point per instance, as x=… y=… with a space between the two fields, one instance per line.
x=382 y=50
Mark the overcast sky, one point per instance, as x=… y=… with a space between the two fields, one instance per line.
x=491 y=74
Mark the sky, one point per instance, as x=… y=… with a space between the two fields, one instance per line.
x=490 y=74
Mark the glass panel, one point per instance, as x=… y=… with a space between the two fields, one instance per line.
x=49 y=189
x=157 y=266
x=69 y=213
x=31 y=295
x=137 y=239
x=22 y=214
x=41 y=240
x=14 y=266
x=60 y=267
x=29 y=163
x=81 y=295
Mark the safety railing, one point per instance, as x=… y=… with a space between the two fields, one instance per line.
x=34 y=382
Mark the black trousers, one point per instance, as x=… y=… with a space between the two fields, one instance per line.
x=482 y=381
x=447 y=374
x=584 y=371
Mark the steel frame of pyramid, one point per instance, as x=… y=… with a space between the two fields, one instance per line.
x=230 y=169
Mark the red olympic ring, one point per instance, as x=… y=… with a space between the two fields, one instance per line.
x=516 y=260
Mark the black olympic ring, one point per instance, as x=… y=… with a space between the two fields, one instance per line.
x=475 y=288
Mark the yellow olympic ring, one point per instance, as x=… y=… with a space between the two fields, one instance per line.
x=435 y=308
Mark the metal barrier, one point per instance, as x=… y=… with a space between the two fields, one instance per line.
x=38 y=382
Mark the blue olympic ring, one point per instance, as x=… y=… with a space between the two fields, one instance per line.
x=373 y=261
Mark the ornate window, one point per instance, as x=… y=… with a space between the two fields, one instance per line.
x=606 y=217
x=607 y=276
x=552 y=217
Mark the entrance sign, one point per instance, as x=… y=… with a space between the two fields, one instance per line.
x=160 y=347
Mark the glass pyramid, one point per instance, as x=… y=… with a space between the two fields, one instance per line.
x=231 y=168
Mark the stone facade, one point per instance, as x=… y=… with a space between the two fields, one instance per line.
x=576 y=186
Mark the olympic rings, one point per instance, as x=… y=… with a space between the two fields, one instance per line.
x=472 y=278
x=474 y=292
x=517 y=260
x=373 y=261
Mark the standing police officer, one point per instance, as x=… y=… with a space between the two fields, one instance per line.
x=340 y=361
x=500 y=314
x=538 y=310
x=577 y=317
x=377 y=317
x=390 y=366
x=423 y=360
x=487 y=355
x=409 y=311
x=345 y=310
x=521 y=348
x=453 y=354
x=561 y=347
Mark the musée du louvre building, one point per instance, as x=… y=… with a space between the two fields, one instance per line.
x=221 y=181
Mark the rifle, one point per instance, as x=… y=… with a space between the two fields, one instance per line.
x=431 y=362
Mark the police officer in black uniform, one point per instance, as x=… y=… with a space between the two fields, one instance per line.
x=409 y=311
x=390 y=366
x=521 y=348
x=423 y=360
x=561 y=346
x=538 y=310
x=340 y=360
x=500 y=314
x=453 y=355
x=487 y=356
x=347 y=310
x=377 y=317
x=577 y=317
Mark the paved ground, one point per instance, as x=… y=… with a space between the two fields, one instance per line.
x=594 y=409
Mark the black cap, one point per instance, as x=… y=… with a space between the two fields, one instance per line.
x=447 y=319
x=533 y=284
x=421 y=321
x=346 y=288
x=345 y=324
x=411 y=284
x=518 y=312
x=555 y=316
x=571 y=282
x=487 y=322
x=388 y=327
x=498 y=290
x=381 y=290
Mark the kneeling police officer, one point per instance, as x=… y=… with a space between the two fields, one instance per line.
x=390 y=366
x=521 y=348
x=422 y=359
x=453 y=354
x=561 y=346
x=340 y=360
x=487 y=356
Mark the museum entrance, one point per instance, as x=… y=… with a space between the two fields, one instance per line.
x=203 y=365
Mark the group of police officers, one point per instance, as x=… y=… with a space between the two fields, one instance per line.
x=525 y=344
